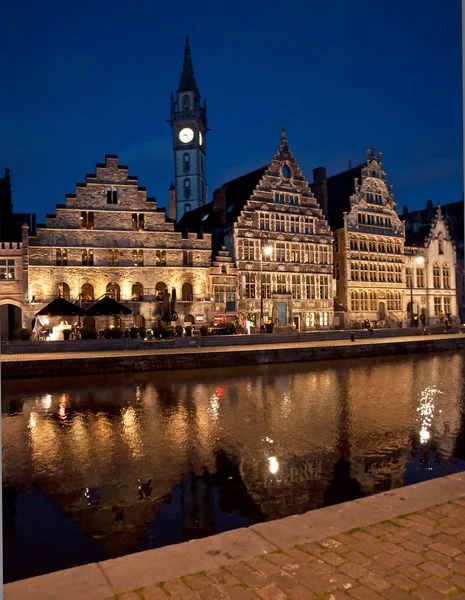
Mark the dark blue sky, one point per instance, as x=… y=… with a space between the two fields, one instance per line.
x=85 y=79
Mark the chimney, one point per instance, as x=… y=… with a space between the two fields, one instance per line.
x=320 y=189
x=172 y=201
x=405 y=210
x=219 y=200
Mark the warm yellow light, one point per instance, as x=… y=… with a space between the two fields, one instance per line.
x=273 y=465
x=267 y=250
x=419 y=260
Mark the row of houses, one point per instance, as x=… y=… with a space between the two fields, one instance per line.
x=270 y=246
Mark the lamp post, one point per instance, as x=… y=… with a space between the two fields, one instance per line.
x=267 y=251
x=419 y=260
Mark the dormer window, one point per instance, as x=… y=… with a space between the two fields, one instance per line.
x=112 y=195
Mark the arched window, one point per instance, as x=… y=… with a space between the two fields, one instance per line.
x=187 y=295
x=137 y=292
x=138 y=258
x=446 y=276
x=63 y=290
x=436 y=275
x=364 y=300
x=189 y=319
x=186 y=161
x=187 y=187
x=354 y=303
x=113 y=291
x=87 y=292
x=139 y=321
x=373 y=301
x=160 y=290
x=186 y=102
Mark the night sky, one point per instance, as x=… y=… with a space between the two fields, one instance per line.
x=85 y=79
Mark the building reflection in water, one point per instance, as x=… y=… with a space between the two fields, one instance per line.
x=212 y=450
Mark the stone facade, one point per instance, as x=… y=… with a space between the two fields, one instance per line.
x=433 y=265
x=283 y=247
x=223 y=274
x=109 y=238
x=369 y=251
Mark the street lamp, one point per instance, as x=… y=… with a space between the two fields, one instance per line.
x=419 y=261
x=266 y=250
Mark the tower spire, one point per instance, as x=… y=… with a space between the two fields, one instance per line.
x=187 y=81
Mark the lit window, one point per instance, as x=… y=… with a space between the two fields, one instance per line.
x=7 y=269
x=112 y=195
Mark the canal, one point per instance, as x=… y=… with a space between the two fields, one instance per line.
x=98 y=467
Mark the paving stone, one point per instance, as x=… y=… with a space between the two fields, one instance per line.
x=445 y=549
x=300 y=556
x=401 y=522
x=356 y=557
x=380 y=568
x=316 y=584
x=448 y=530
x=434 y=556
x=363 y=593
x=299 y=592
x=341 y=581
x=422 y=520
x=366 y=548
x=440 y=585
x=178 y=589
x=332 y=558
x=222 y=577
x=321 y=568
x=338 y=595
x=130 y=596
x=388 y=547
x=458 y=581
x=411 y=558
x=313 y=548
x=376 y=530
x=411 y=572
x=396 y=594
x=238 y=592
x=389 y=559
x=282 y=580
x=244 y=573
x=330 y=544
x=353 y=570
x=364 y=537
x=426 y=593
x=435 y=569
x=425 y=530
x=197 y=581
x=155 y=592
x=402 y=582
x=414 y=547
x=449 y=540
x=271 y=592
x=375 y=582
x=457 y=567
x=213 y=593
x=263 y=566
x=279 y=559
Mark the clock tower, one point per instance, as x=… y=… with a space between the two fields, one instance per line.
x=188 y=119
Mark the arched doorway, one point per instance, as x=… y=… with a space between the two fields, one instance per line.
x=113 y=291
x=187 y=295
x=189 y=319
x=11 y=321
x=382 y=311
x=138 y=292
x=139 y=321
x=159 y=290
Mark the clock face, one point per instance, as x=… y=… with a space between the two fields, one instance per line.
x=186 y=135
x=200 y=138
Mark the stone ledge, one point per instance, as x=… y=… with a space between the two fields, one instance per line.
x=101 y=581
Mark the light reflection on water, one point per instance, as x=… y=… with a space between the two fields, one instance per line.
x=112 y=465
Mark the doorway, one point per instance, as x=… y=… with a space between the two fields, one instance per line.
x=382 y=311
x=282 y=313
x=10 y=321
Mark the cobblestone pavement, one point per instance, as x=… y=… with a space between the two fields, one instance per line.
x=420 y=556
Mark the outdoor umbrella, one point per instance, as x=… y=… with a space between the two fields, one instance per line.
x=61 y=308
x=174 y=314
x=107 y=306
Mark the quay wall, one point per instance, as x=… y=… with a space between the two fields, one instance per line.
x=195 y=358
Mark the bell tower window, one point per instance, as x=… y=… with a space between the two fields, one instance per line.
x=186 y=103
x=187 y=187
x=186 y=162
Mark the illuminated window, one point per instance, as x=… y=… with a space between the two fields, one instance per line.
x=437 y=305
x=324 y=287
x=250 y=285
x=7 y=268
x=280 y=223
x=248 y=249
x=113 y=257
x=137 y=222
x=62 y=256
x=295 y=253
x=447 y=305
x=266 y=285
x=296 y=287
x=323 y=255
x=354 y=271
x=382 y=271
x=446 y=276
x=160 y=258
x=87 y=220
x=281 y=283
x=420 y=277
x=87 y=257
x=87 y=292
x=364 y=272
x=364 y=301
x=436 y=275
x=264 y=221
x=280 y=252
x=63 y=290
x=138 y=258
x=373 y=301
x=354 y=301
x=113 y=291
x=112 y=195
x=187 y=258
x=137 y=292
x=373 y=272
x=310 y=287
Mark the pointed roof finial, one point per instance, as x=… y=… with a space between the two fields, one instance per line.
x=283 y=133
x=373 y=150
x=187 y=81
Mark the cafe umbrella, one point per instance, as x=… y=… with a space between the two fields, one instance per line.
x=60 y=307
x=107 y=307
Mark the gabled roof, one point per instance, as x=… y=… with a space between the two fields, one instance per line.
x=340 y=189
x=418 y=222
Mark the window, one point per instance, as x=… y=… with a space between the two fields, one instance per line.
x=364 y=301
x=373 y=301
x=446 y=276
x=447 y=305
x=281 y=283
x=382 y=271
x=112 y=195
x=280 y=223
x=408 y=277
x=295 y=253
x=354 y=271
x=364 y=272
x=296 y=287
x=187 y=260
x=187 y=187
x=293 y=224
x=336 y=244
x=62 y=256
x=138 y=258
x=324 y=287
x=436 y=276
x=280 y=252
x=354 y=301
x=63 y=290
x=113 y=257
x=309 y=225
x=186 y=162
x=437 y=305
x=87 y=258
x=250 y=285
x=337 y=271
x=160 y=258
x=264 y=221
x=441 y=243
x=324 y=320
x=248 y=249
x=137 y=222
x=87 y=292
x=398 y=274
x=311 y=253
x=372 y=245
x=353 y=243
x=324 y=255
x=420 y=278
x=7 y=268
x=266 y=285
x=87 y=220
x=186 y=103
x=137 y=292
x=113 y=291
x=224 y=293
x=310 y=287
x=373 y=272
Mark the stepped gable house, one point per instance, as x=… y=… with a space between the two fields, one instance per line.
x=110 y=238
x=279 y=240
x=368 y=243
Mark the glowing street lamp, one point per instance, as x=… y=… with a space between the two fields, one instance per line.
x=265 y=250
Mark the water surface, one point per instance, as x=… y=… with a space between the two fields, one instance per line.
x=98 y=467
